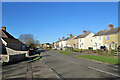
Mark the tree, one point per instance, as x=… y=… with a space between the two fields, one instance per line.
x=28 y=39
x=37 y=42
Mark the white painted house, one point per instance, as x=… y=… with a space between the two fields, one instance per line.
x=97 y=41
x=85 y=40
x=62 y=43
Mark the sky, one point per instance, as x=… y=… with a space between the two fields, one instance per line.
x=49 y=21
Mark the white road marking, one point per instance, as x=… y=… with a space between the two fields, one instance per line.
x=104 y=71
x=18 y=76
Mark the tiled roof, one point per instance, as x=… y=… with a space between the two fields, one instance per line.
x=5 y=34
x=47 y=43
x=68 y=38
x=82 y=35
x=108 y=32
x=11 y=40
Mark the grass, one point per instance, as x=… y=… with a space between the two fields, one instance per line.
x=36 y=58
x=65 y=52
x=106 y=59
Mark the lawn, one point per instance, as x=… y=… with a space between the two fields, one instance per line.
x=106 y=59
x=65 y=52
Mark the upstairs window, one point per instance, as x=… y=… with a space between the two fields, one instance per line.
x=100 y=37
x=76 y=40
x=107 y=37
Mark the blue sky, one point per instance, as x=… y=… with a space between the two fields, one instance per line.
x=49 y=21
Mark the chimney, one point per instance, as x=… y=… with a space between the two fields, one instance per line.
x=84 y=32
x=70 y=35
x=110 y=26
x=3 y=28
x=59 y=39
x=63 y=38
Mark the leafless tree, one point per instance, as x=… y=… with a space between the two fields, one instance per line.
x=27 y=39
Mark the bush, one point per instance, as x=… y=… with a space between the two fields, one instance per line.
x=100 y=52
x=77 y=50
x=112 y=53
x=106 y=52
x=69 y=49
x=49 y=47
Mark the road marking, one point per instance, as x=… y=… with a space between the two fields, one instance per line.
x=104 y=71
x=18 y=76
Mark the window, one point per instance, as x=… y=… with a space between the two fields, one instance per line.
x=113 y=46
x=96 y=44
x=100 y=37
x=107 y=45
x=107 y=37
x=23 y=47
x=95 y=37
x=76 y=40
x=80 y=40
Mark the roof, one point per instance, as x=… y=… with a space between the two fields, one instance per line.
x=11 y=40
x=82 y=35
x=68 y=38
x=3 y=49
x=47 y=43
x=5 y=34
x=108 y=32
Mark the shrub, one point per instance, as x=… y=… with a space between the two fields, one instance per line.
x=112 y=53
x=77 y=50
x=69 y=49
x=49 y=47
x=100 y=52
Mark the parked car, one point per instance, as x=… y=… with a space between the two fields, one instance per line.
x=103 y=48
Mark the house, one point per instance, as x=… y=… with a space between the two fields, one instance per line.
x=41 y=45
x=46 y=45
x=12 y=48
x=109 y=38
x=70 y=42
x=62 y=43
x=85 y=40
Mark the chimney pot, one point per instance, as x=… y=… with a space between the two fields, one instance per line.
x=59 y=39
x=63 y=38
x=110 y=26
x=3 y=28
x=84 y=32
x=70 y=35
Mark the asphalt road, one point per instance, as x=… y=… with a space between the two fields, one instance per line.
x=66 y=66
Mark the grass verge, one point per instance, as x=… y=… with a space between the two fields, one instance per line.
x=36 y=58
x=65 y=52
x=106 y=59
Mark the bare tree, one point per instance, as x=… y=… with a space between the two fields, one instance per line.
x=37 y=42
x=27 y=38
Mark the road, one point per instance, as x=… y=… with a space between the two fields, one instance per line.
x=66 y=66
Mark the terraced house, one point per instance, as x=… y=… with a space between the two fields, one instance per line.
x=109 y=38
x=85 y=40
x=70 y=41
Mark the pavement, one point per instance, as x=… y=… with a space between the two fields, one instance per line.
x=67 y=66
x=27 y=70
